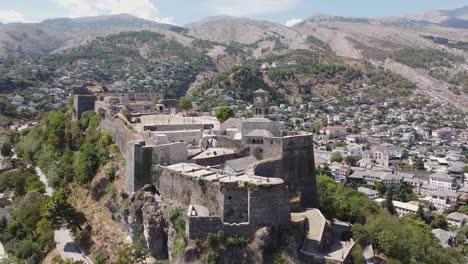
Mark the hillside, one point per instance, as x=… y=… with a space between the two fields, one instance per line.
x=39 y=39
x=262 y=38
x=379 y=41
x=308 y=78
x=142 y=61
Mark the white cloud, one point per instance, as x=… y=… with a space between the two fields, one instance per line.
x=293 y=21
x=140 y=8
x=9 y=16
x=252 y=7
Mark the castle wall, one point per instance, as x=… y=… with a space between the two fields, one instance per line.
x=137 y=166
x=200 y=227
x=81 y=104
x=176 y=127
x=295 y=165
x=184 y=190
x=120 y=132
x=133 y=96
x=236 y=203
x=227 y=142
x=299 y=168
x=189 y=136
x=215 y=160
x=169 y=153
x=249 y=126
x=269 y=205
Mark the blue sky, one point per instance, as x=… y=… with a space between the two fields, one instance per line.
x=181 y=12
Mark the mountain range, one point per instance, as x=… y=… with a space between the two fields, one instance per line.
x=374 y=40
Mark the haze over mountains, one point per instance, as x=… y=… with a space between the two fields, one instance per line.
x=369 y=39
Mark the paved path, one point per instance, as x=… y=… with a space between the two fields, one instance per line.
x=66 y=246
x=3 y=254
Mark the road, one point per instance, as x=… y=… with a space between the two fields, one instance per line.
x=66 y=246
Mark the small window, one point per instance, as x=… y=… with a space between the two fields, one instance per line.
x=229 y=197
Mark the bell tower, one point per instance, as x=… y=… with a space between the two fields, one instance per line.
x=260 y=103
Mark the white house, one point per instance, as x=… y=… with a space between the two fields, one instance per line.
x=371 y=194
x=443 y=180
x=457 y=219
x=403 y=209
x=443 y=198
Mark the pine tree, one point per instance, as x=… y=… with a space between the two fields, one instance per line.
x=389 y=200
x=61 y=213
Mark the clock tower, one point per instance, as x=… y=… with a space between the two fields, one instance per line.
x=260 y=104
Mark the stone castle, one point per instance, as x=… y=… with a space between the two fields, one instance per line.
x=234 y=177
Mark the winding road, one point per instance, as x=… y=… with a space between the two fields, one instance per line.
x=66 y=246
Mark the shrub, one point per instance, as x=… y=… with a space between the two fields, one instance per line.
x=110 y=173
x=83 y=238
x=211 y=258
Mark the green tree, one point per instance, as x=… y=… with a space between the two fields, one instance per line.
x=129 y=254
x=438 y=221
x=358 y=258
x=336 y=157
x=380 y=187
x=352 y=160
x=6 y=149
x=418 y=164
x=389 y=200
x=223 y=113
x=61 y=213
x=86 y=163
x=185 y=103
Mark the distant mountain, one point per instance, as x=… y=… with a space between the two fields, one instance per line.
x=440 y=16
x=319 y=18
x=37 y=39
x=105 y=22
x=455 y=23
x=243 y=30
x=420 y=36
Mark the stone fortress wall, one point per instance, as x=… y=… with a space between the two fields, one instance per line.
x=133 y=96
x=218 y=201
x=81 y=104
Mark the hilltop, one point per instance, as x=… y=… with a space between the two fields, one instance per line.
x=39 y=39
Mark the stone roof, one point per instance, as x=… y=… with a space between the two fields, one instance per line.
x=445 y=193
x=457 y=216
x=259 y=133
x=367 y=191
x=441 y=175
x=213 y=152
x=391 y=176
x=444 y=236
x=407 y=206
x=241 y=164
x=258 y=120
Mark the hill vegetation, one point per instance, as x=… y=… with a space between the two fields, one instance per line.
x=425 y=58
x=303 y=75
x=141 y=55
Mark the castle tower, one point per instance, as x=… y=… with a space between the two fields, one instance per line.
x=260 y=104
